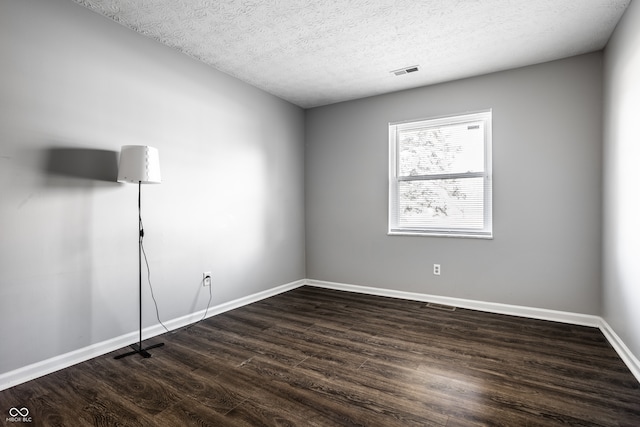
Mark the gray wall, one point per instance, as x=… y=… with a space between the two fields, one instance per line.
x=547 y=145
x=621 y=267
x=74 y=88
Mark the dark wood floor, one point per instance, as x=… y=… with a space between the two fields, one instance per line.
x=315 y=357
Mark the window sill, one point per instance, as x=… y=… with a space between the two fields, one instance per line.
x=420 y=233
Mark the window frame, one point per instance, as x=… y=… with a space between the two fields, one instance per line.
x=487 y=174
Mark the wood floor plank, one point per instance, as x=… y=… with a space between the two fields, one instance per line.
x=191 y=412
x=290 y=400
x=129 y=378
x=348 y=403
x=319 y=357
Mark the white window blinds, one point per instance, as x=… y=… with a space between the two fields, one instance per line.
x=440 y=176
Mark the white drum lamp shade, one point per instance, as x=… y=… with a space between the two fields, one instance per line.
x=139 y=164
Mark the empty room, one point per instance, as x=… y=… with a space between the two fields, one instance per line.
x=319 y=213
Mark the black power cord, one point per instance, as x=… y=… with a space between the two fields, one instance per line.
x=205 y=311
x=153 y=297
x=146 y=261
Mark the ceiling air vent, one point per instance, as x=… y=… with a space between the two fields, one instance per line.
x=405 y=70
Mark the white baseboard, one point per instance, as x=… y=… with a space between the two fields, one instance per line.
x=621 y=348
x=39 y=369
x=616 y=342
x=35 y=370
x=491 y=307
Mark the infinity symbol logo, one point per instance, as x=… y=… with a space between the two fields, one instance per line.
x=14 y=412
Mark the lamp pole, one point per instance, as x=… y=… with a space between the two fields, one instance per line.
x=139 y=164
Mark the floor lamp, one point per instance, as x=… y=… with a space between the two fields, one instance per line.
x=139 y=164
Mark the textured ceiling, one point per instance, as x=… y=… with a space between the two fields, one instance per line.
x=318 y=52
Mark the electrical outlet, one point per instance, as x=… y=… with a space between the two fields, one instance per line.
x=436 y=269
x=206 y=278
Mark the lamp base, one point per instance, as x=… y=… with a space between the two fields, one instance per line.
x=137 y=349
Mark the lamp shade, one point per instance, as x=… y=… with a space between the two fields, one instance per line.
x=139 y=163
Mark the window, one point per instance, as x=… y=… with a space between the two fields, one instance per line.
x=440 y=176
